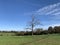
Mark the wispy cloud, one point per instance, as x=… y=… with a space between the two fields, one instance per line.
x=53 y=9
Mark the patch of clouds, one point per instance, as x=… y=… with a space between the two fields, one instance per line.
x=49 y=10
x=53 y=9
x=46 y=26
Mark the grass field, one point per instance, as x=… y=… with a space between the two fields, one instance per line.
x=30 y=40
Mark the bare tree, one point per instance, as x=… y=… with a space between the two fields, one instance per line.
x=34 y=22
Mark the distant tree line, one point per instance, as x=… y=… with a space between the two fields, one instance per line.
x=8 y=31
x=50 y=30
x=38 y=31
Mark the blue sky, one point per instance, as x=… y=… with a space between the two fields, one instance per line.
x=14 y=14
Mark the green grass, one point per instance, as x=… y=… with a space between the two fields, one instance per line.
x=30 y=40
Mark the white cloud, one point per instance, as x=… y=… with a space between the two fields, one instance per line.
x=55 y=25
x=58 y=13
x=46 y=26
x=53 y=12
x=53 y=9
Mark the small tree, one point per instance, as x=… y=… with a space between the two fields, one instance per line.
x=34 y=22
x=50 y=30
x=57 y=29
x=38 y=31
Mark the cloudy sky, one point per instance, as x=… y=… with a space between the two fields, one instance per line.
x=14 y=14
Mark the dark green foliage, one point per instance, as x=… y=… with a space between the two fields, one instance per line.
x=28 y=33
x=57 y=29
x=50 y=30
x=44 y=32
x=38 y=31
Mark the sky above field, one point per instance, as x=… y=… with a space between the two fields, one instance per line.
x=14 y=14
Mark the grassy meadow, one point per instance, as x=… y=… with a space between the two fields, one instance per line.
x=53 y=39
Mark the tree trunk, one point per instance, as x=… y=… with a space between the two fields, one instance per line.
x=32 y=28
